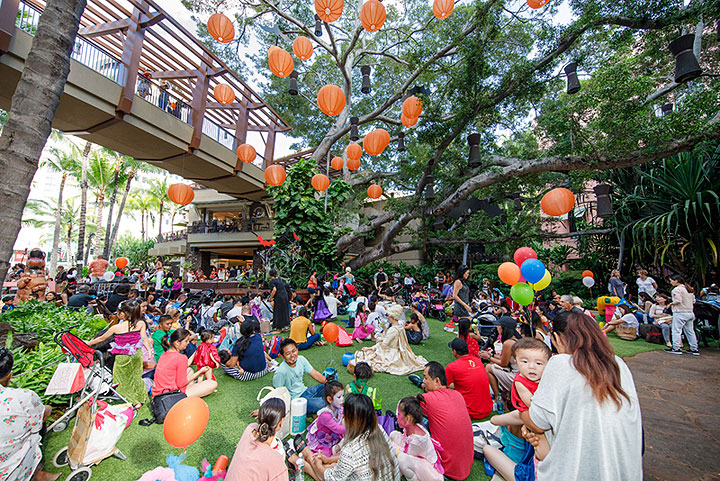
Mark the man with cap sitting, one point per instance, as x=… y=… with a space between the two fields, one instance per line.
x=467 y=376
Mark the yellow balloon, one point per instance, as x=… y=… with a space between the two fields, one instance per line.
x=542 y=283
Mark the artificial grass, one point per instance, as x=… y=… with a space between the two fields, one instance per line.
x=230 y=407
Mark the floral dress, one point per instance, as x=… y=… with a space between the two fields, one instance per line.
x=326 y=431
x=21 y=418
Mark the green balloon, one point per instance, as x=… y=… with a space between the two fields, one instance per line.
x=522 y=293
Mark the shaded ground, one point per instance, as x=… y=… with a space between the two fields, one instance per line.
x=680 y=401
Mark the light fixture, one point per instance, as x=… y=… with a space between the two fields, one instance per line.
x=474 y=159
x=573 y=83
x=293 y=89
x=666 y=109
x=318 y=26
x=686 y=64
x=401 y=142
x=602 y=193
x=430 y=189
x=365 y=69
x=354 y=134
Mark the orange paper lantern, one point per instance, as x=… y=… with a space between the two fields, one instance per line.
x=180 y=194
x=537 y=3
x=558 y=202
x=331 y=100
x=353 y=152
x=280 y=62
x=372 y=15
x=221 y=28
x=337 y=163
x=375 y=142
x=246 y=153
x=412 y=107
x=329 y=10
x=302 y=48
x=407 y=121
x=374 y=191
x=443 y=8
x=353 y=164
x=588 y=274
x=275 y=175
x=320 y=182
x=224 y=94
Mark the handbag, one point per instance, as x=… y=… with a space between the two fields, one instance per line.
x=161 y=404
x=654 y=335
x=280 y=393
x=627 y=333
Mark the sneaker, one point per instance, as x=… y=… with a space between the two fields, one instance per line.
x=673 y=351
x=415 y=379
x=694 y=353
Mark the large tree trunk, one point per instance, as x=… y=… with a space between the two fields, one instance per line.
x=83 y=205
x=116 y=227
x=69 y=244
x=31 y=114
x=142 y=224
x=56 y=233
x=162 y=203
x=108 y=229
x=100 y=200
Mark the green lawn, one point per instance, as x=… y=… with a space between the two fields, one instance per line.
x=230 y=409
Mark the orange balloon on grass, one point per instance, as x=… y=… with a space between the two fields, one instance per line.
x=330 y=332
x=186 y=421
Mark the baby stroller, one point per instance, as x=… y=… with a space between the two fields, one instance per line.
x=707 y=319
x=436 y=309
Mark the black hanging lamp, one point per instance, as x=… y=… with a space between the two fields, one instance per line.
x=602 y=193
x=475 y=160
x=354 y=134
x=318 y=26
x=401 y=142
x=293 y=89
x=365 y=70
x=686 y=64
x=666 y=109
x=573 y=82
x=430 y=189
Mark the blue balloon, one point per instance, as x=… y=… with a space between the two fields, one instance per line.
x=532 y=270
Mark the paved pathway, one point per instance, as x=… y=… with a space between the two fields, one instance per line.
x=680 y=401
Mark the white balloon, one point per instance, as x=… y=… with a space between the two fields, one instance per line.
x=588 y=281
x=108 y=276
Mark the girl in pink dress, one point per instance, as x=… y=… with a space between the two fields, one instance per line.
x=326 y=432
x=416 y=451
x=362 y=330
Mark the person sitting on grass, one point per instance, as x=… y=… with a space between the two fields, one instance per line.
x=363 y=329
x=627 y=319
x=415 y=449
x=413 y=330
x=467 y=375
x=207 y=354
x=173 y=370
x=248 y=360
x=290 y=375
x=300 y=327
x=362 y=373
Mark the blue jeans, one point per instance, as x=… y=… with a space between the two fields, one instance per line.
x=315 y=398
x=309 y=342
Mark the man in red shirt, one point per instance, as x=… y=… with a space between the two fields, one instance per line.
x=467 y=376
x=448 y=421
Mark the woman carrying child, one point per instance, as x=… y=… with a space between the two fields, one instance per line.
x=248 y=360
x=416 y=451
x=362 y=330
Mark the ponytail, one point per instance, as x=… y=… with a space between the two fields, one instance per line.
x=679 y=278
x=177 y=335
x=270 y=416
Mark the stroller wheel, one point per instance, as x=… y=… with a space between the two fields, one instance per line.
x=80 y=474
x=61 y=458
x=60 y=427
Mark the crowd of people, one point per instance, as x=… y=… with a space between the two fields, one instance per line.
x=547 y=372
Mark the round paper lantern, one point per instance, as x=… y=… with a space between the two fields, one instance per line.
x=544 y=282
x=374 y=191
x=375 y=142
x=224 y=94
x=329 y=10
x=330 y=332
x=407 y=121
x=280 y=62
x=221 y=28
x=588 y=281
x=522 y=293
x=246 y=153
x=412 y=107
x=443 y=8
x=275 y=175
x=354 y=152
x=337 y=163
x=353 y=164
x=121 y=262
x=532 y=270
x=557 y=202
x=537 y=3
x=331 y=100
x=186 y=421
x=320 y=182
x=523 y=254
x=509 y=273
x=372 y=15
x=180 y=194
x=588 y=274
x=302 y=48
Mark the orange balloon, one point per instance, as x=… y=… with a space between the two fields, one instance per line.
x=329 y=10
x=537 y=3
x=331 y=100
x=354 y=152
x=275 y=175
x=407 y=121
x=180 y=193
x=353 y=164
x=372 y=15
x=557 y=202
x=121 y=262
x=330 y=332
x=588 y=274
x=509 y=273
x=280 y=62
x=375 y=142
x=224 y=94
x=374 y=191
x=337 y=163
x=221 y=28
x=320 y=182
x=186 y=421
x=246 y=153
x=412 y=107
x=443 y=8
x=302 y=48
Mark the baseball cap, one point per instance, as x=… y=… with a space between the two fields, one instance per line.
x=458 y=345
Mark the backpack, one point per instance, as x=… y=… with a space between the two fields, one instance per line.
x=652 y=334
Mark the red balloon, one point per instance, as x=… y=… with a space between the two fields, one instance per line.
x=186 y=421
x=523 y=254
x=121 y=262
x=588 y=274
x=330 y=332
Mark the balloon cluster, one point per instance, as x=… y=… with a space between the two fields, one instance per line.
x=526 y=275
x=588 y=279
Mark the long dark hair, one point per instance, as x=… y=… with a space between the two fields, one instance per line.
x=463 y=328
x=360 y=419
x=131 y=309
x=592 y=356
x=177 y=336
x=680 y=279
x=460 y=272
x=247 y=330
x=410 y=406
x=271 y=414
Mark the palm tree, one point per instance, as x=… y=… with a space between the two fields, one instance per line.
x=83 y=202
x=143 y=203
x=175 y=210
x=63 y=161
x=40 y=213
x=158 y=189
x=101 y=168
x=120 y=165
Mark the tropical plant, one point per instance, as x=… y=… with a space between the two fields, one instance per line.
x=82 y=226
x=143 y=203
x=102 y=172
x=136 y=250
x=40 y=214
x=158 y=190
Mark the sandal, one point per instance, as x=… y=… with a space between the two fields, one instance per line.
x=299 y=443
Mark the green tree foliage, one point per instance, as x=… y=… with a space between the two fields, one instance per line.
x=136 y=250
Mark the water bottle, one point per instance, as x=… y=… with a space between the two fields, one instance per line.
x=300 y=464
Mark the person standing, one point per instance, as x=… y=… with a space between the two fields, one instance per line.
x=380 y=279
x=280 y=303
x=98 y=267
x=646 y=283
x=616 y=285
x=158 y=276
x=461 y=293
x=682 y=316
